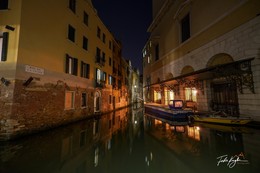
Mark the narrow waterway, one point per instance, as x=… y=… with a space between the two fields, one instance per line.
x=127 y=141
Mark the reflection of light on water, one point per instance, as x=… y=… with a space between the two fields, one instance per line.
x=157 y=122
x=194 y=132
x=180 y=129
x=149 y=159
x=109 y=144
x=96 y=157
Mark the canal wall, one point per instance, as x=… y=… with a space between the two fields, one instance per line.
x=40 y=106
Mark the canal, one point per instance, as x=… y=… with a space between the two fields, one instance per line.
x=128 y=141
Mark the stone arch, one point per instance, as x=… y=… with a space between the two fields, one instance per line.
x=97 y=101
x=221 y=58
x=169 y=76
x=187 y=69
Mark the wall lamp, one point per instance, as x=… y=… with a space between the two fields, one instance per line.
x=28 y=81
x=5 y=81
x=9 y=28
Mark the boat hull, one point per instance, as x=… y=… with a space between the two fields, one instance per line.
x=222 y=120
x=178 y=115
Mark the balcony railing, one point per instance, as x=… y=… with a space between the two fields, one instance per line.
x=100 y=84
x=100 y=60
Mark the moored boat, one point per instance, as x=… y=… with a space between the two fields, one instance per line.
x=175 y=112
x=222 y=120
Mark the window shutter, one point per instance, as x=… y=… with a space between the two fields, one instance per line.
x=67 y=63
x=88 y=71
x=82 y=69
x=5 y=46
x=75 y=67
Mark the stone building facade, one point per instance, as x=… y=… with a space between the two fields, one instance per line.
x=56 y=65
x=206 y=53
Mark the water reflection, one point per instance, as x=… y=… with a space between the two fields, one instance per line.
x=129 y=141
x=204 y=148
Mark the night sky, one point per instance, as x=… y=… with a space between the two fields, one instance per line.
x=128 y=20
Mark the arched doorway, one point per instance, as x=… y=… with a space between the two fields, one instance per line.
x=97 y=101
x=224 y=93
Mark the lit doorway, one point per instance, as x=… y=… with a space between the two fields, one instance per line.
x=97 y=101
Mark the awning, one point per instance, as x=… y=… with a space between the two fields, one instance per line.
x=239 y=72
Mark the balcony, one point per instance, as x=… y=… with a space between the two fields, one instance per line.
x=100 y=60
x=100 y=84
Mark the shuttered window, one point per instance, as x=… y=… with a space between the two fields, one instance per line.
x=85 y=70
x=71 y=65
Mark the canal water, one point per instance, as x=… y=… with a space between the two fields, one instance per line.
x=128 y=141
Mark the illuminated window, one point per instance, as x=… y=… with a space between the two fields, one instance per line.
x=69 y=100
x=71 y=65
x=157 y=97
x=148 y=60
x=169 y=95
x=85 y=70
x=3 y=46
x=191 y=94
x=110 y=80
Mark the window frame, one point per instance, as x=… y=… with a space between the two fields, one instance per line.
x=185 y=28
x=72 y=5
x=71 y=33
x=85 y=70
x=84 y=100
x=85 y=43
x=4 y=46
x=4 y=4
x=98 y=32
x=85 y=18
x=71 y=65
x=72 y=104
